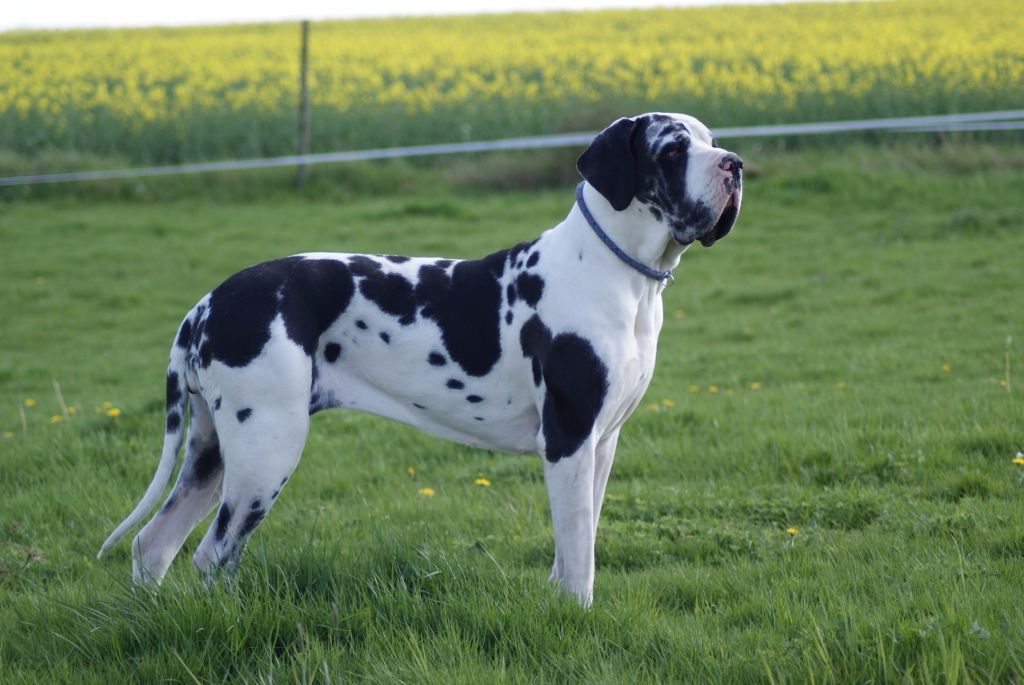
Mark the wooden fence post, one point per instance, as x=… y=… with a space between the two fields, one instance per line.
x=303 y=103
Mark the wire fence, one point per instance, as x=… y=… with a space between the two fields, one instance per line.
x=1004 y=120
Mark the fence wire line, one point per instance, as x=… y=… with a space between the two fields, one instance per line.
x=1005 y=120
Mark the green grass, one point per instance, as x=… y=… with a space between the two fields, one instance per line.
x=854 y=279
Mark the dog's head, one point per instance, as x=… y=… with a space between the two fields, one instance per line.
x=672 y=164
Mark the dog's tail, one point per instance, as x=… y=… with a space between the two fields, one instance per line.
x=177 y=402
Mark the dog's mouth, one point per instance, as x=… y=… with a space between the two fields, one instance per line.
x=725 y=222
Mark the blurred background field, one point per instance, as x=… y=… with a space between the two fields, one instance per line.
x=182 y=94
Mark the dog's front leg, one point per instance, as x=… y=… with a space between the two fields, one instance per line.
x=570 y=485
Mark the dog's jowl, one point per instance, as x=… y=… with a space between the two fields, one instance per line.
x=544 y=348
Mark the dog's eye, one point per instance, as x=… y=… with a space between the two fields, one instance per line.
x=675 y=149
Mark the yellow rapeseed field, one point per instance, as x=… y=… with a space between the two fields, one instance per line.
x=169 y=94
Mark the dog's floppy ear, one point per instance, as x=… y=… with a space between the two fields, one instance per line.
x=609 y=163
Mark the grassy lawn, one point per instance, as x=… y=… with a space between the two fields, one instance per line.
x=819 y=486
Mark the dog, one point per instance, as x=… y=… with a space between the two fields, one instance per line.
x=544 y=348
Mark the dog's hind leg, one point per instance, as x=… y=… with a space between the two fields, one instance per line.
x=259 y=456
x=193 y=496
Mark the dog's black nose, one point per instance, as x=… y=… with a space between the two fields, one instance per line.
x=731 y=163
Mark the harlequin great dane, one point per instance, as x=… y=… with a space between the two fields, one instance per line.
x=546 y=348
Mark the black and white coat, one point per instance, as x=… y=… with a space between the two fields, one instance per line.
x=546 y=348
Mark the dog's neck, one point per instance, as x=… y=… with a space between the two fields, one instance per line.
x=634 y=230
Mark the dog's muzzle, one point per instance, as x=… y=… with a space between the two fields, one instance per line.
x=733 y=166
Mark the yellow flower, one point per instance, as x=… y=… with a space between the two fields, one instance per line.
x=482 y=482
x=113 y=411
x=107 y=404
x=411 y=471
x=680 y=313
x=728 y=391
x=946 y=368
x=72 y=410
x=653 y=406
x=712 y=389
x=56 y=418
x=1019 y=459
x=30 y=403
x=8 y=435
x=792 y=531
x=694 y=388
x=427 y=491
x=755 y=385
x=668 y=403
x=840 y=384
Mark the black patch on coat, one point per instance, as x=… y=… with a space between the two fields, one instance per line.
x=361 y=325
x=478 y=418
x=362 y=266
x=331 y=352
x=173 y=421
x=386 y=338
x=207 y=464
x=185 y=334
x=397 y=259
x=436 y=359
x=310 y=294
x=256 y=514
x=223 y=519
x=576 y=381
x=432 y=279
x=173 y=389
x=418 y=406
x=474 y=399
x=443 y=263
x=535 y=339
x=532 y=261
x=216 y=404
x=455 y=384
x=393 y=293
x=530 y=288
x=466 y=307
x=243 y=414
x=510 y=294
x=508 y=317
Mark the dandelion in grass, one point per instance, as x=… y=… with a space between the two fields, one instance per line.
x=427 y=492
x=840 y=384
x=72 y=411
x=107 y=404
x=410 y=472
x=792 y=531
x=712 y=389
x=1019 y=459
x=8 y=435
x=755 y=385
x=30 y=403
x=482 y=482
x=113 y=412
x=668 y=403
x=653 y=406
x=56 y=418
x=946 y=368
x=680 y=313
x=728 y=392
x=694 y=388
